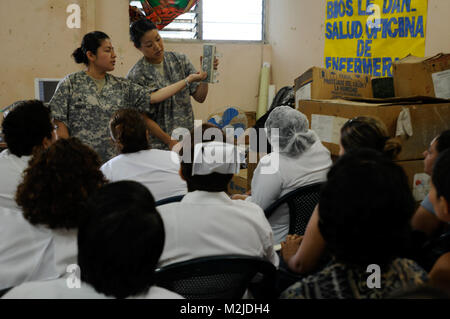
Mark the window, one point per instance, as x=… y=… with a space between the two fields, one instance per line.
x=235 y=20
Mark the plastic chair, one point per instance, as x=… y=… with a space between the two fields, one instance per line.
x=301 y=203
x=169 y=200
x=219 y=277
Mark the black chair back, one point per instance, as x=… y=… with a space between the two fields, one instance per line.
x=219 y=277
x=301 y=203
x=169 y=200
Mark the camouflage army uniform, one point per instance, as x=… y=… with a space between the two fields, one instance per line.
x=176 y=111
x=87 y=112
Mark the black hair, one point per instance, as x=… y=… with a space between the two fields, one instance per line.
x=138 y=29
x=214 y=182
x=365 y=208
x=371 y=133
x=441 y=175
x=443 y=141
x=121 y=240
x=129 y=131
x=91 y=42
x=26 y=126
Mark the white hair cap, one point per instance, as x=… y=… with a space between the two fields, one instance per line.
x=294 y=136
x=217 y=157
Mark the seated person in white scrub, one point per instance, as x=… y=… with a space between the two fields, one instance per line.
x=27 y=128
x=55 y=186
x=298 y=158
x=155 y=169
x=207 y=222
x=119 y=216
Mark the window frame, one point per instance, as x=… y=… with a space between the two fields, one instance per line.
x=200 y=30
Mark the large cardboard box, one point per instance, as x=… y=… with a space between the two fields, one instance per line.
x=319 y=83
x=429 y=76
x=428 y=119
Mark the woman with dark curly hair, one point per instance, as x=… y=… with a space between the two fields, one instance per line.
x=155 y=169
x=54 y=190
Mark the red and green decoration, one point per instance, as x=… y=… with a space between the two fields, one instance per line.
x=161 y=12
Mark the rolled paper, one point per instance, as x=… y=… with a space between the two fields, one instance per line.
x=263 y=90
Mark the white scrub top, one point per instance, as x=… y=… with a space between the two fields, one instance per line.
x=59 y=289
x=11 y=169
x=210 y=223
x=155 y=169
x=292 y=172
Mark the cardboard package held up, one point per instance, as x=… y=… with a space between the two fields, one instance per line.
x=430 y=76
x=322 y=84
x=426 y=119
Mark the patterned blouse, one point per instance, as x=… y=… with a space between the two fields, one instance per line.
x=339 y=281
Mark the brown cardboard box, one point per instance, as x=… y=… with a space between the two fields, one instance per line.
x=428 y=120
x=429 y=76
x=319 y=83
x=417 y=179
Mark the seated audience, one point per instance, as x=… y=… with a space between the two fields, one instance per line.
x=207 y=222
x=425 y=218
x=304 y=254
x=54 y=189
x=156 y=169
x=119 y=244
x=24 y=249
x=364 y=218
x=298 y=159
x=440 y=199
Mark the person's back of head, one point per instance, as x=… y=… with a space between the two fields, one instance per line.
x=195 y=180
x=57 y=183
x=365 y=208
x=368 y=132
x=27 y=126
x=440 y=186
x=294 y=136
x=128 y=131
x=121 y=240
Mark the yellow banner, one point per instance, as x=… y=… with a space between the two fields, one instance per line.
x=366 y=36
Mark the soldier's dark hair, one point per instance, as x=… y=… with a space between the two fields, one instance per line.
x=26 y=126
x=138 y=29
x=128 y=131
x=91 y=42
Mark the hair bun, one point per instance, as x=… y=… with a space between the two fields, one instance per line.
x=80 y=56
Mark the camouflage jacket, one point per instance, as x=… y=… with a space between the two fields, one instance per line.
x=176 y=111
x=87 y=112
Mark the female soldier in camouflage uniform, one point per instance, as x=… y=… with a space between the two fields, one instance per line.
x=158 y=69
x=84 y=101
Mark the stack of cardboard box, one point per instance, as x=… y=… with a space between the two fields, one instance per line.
x=420 y=110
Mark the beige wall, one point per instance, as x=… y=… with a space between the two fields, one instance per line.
x=37 y=43
x=40 y=45
x=296 y=32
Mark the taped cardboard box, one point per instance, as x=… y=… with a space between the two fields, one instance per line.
x=319 y=84
x=427 y=118
x=429 y=76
